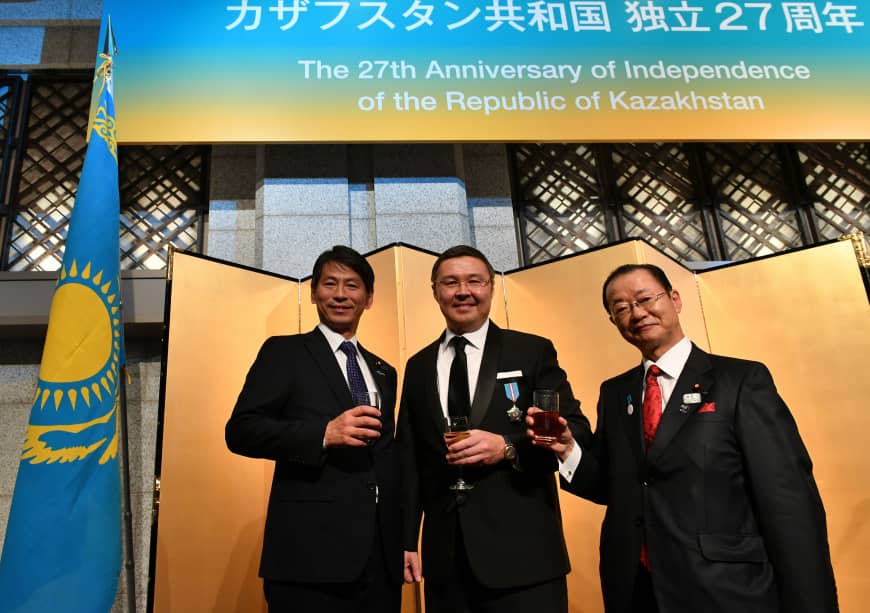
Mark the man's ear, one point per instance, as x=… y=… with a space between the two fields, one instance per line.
x=370 y=297
x=678 y=302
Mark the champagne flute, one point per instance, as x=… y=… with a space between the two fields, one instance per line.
x=455 y=429
x=369 y=399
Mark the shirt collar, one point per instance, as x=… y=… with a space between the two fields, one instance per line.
x=476 y=338
x=674 y=359
x=334 y=338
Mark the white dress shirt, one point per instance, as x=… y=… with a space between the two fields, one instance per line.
x=474 y=356
x=335 y=340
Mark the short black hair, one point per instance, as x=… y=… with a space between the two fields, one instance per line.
x=461 y=251
x=625 y=269
x=348 y=257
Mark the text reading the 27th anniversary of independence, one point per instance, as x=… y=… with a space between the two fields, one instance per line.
x=577 y=76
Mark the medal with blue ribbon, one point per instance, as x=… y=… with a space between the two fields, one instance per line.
x=512 y=391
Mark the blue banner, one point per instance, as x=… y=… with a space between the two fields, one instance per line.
x=494 y=70
x=62 y=550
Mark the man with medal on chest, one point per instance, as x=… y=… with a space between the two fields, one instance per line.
x=481 y=492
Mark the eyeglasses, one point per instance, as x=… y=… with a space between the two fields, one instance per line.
x=622 y=309
x=472 y=284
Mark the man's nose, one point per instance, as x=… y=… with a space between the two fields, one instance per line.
x=638 y=311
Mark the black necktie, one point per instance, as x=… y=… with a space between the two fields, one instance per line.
x=355 y=379
x=458 y=398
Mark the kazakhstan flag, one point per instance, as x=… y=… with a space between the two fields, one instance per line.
x=62 y=550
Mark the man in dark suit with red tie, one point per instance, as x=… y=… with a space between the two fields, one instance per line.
x=497 y=547
x=711 y=502
x=332 y=536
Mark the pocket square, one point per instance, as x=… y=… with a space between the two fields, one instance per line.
x=707 y=407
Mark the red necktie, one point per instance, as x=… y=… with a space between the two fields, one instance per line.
x=652 y=405
x=652 y=415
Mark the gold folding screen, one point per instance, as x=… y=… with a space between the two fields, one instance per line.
x=213 y=503
x=805 y=314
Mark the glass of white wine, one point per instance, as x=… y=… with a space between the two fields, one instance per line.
x=455 y=429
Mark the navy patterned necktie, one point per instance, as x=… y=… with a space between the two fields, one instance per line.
x=355 y=379
x=458 y=398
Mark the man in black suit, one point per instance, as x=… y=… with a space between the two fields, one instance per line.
x=479 y=554
x=711 y=502
x=332 y=537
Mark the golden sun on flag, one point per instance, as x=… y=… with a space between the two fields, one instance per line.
x=80 y=366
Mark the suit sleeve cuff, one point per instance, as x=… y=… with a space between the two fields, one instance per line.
x=569 y=466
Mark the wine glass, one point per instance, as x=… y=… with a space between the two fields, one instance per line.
x=456 y=429
x=369 y=399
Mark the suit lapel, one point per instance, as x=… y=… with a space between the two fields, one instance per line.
x=325 y=360
x=631 y=395
x=432 y=399
x=486 y=376
x=378 y=374
x=697 y=372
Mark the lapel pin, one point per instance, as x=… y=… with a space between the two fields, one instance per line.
x=684 y=408
x=630 y=408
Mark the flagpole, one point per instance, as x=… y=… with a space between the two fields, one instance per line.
x=130 y=558
x=110 y=49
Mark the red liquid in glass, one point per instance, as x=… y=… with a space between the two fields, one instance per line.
x=546 y=426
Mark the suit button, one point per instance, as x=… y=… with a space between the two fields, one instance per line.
x=370 y=485
x=638 y=522
x=645 y=484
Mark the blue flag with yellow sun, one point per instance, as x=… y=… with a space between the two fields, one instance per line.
x=62 y=550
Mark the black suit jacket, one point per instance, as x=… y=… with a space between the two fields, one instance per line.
x=321 y=518
x=725 y=496
x=510 y=522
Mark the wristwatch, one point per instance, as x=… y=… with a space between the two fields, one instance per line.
x=510 y=452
